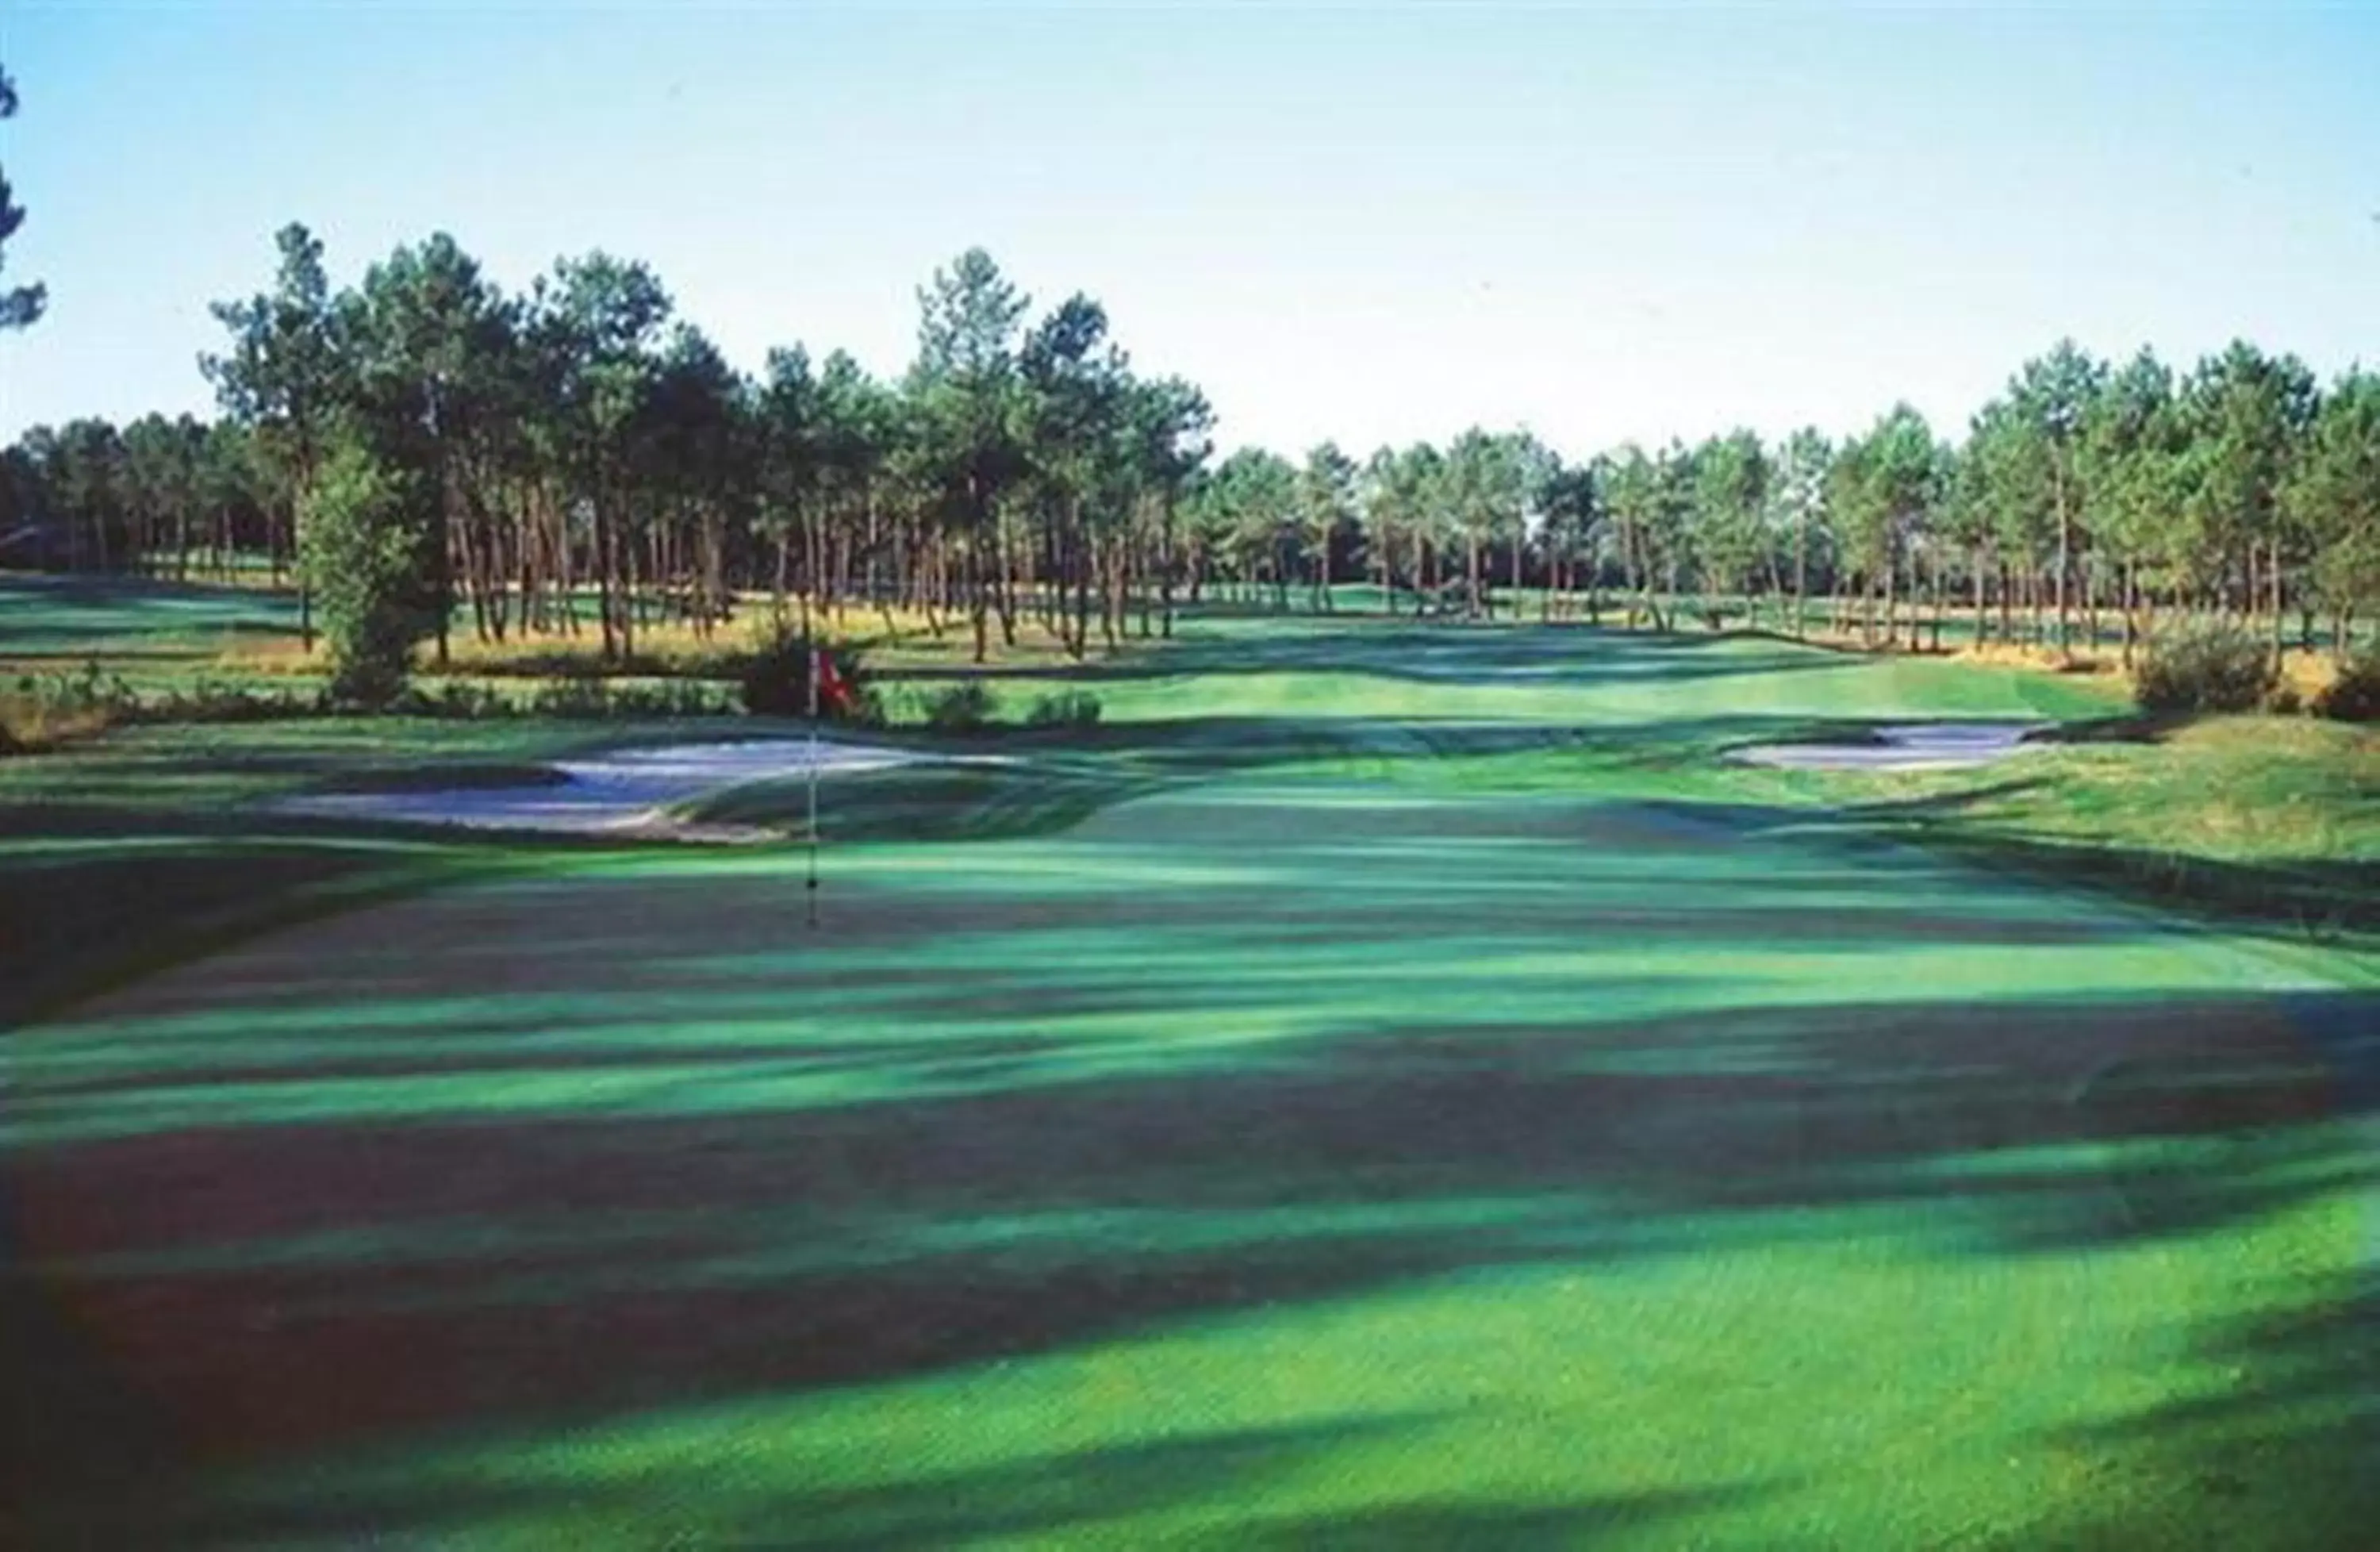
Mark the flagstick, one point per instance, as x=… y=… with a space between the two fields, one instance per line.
x=813 y=884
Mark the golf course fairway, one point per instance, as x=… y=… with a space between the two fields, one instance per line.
x=1381 y=1087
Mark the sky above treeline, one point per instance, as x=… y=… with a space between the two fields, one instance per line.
x=1369 y=223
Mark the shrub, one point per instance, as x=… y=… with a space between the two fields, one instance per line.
x=457 y=698
x=1077 y=709
x=41 y=712
x=963 y=708
x=896 y=705
x=2211 y=670
x=215 y=700
x=776 y=681
x=584 y=695
x=2354 y=695
x=363 y=548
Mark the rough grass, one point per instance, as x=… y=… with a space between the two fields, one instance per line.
x=30 y=723
x=1378 y=1087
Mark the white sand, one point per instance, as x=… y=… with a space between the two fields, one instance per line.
x=1930 y=747
x=622 y=790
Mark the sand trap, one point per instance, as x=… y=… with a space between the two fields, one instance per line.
x=1929 y=746
x=620 y=791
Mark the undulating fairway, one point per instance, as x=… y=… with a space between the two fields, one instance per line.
x=1385 y=1087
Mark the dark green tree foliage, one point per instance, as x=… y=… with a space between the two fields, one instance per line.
x=776 y=681
x=2332 y=502
x=2245 y=413
x=1325 y=508
x=1484 y=489
x=2051 y=396
x=1248 y=512
x=19 y=306
x=579 y=445
x=428 y=344
x=1887 y=486
x=2130 y=462
x=967 y=387
x=1731 y=489
x=283 y=379
x=1572 y=502
x=1798 y=520
x=364 y=533
x=597 y=321
x=1166 y=423
x=1634 y=495
x=1069 y=409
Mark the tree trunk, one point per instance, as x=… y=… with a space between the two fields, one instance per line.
x=2065 y=556
x=2131 y=582
x=2274 y=573
x=1801 y=578
x=1165 y=561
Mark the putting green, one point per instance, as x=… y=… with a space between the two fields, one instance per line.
x=1449 y=1129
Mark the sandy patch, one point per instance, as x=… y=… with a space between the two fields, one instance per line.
x=621 y=792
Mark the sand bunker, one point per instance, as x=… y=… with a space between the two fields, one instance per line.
x=620 y=791
x=1929 y=746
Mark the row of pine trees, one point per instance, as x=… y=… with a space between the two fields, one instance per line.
x=579 y=442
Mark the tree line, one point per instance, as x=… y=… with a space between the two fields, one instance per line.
x=517 y=454
x=2085 y=497
x=514 y=459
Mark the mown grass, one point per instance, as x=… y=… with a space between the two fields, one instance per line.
x=2262 y=823
x=1382 y=1086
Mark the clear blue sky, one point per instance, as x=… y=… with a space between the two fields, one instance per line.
x=1369 y=223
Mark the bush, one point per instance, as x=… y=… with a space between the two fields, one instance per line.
x=2217 y=670
x=584 y=695
x=215 y=700
x=776 y=680
x=457 y=698
x=963 y=708
x=2354 y=695
x=363 y=550
x=1076 y=709
x=44 y=712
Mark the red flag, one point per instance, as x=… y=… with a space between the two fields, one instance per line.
x=831 y=686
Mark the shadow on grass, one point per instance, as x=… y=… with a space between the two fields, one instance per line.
x=108 y=894
x=1037 y=1496
x=2279 y=1448
x=456 y=1272
x=2327 y=902
x=1428 y=1526
x=438 y=1276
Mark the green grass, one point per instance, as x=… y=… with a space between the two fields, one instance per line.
x=72 y=618
x=1384 y=1086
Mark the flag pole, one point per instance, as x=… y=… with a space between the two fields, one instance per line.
x=811 y=888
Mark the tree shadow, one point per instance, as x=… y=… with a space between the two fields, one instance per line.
x=1430 y=1525
x=2318 y=900
x=437 y=1275
x=922 y=1507
x=2279 y=1445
